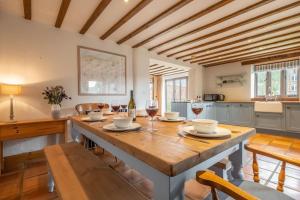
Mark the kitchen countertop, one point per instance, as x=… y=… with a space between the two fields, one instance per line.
x=284 y=102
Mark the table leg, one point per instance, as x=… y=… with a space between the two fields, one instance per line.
x=236 y=159
x=50 y=182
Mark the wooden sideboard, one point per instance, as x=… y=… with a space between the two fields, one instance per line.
x=28 y=129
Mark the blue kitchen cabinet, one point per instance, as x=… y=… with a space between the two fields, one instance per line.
x=292 y=117
x=241 y=114
x=272 y=121
x=222 y=113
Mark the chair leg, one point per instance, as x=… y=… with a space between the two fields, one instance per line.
x=214 y=193
x=255 y=169
x=281 y=177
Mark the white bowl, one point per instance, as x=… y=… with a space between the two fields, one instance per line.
x=95 y=115
x=172 y=115
x=205 y=125
x=122 y=122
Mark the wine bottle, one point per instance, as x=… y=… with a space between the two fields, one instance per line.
x=131 y=107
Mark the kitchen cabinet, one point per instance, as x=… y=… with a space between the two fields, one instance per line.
x=209 y=111
x=222 y=113
x=241 y=114
x=292 y=117
x=272 y=121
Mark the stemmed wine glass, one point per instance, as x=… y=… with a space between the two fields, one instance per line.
x=115 y=107
x=152 y=109
x=197 y=107
x=101 y=106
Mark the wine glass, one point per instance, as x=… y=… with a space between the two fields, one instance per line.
x=197 y=108
x=101 y=106
x=115 y=106
x=124 y=107
x=152 y=109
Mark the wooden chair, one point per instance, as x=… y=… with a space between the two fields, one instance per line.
x=285 y=149
x=238 y=189
x=82 y=109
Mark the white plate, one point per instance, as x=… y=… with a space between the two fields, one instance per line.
x=112 y=127
x=179 y=119
x=220 y=132
x=88 y=119
x=108 y=113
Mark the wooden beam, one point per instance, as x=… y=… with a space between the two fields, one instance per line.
x=238 y=41
x=97 y=12
x=240 y=46
x=62 y=12
x=127 y=17
x=169 y=73
x=185 y=21
x=160 y=69
x=27 y=9
x=248 y=53
x=257 y=28
x=272 y=58
x=201 y=28
x=263 y=46
x=228 y=28
x=272 y=53
x=153 y=65
x=156 y=19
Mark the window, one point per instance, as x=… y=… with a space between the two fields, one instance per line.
x=175 y=90
x=151 y=88
x=277 y=79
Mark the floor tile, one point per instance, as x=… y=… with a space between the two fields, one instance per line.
x=290 y=192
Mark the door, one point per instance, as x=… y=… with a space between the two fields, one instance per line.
x=175 y=91
x=292 y=117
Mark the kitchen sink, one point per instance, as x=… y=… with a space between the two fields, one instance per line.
x=268 y=106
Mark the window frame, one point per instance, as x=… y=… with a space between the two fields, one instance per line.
x=173 y=92
x=283 y=84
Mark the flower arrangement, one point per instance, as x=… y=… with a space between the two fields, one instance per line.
x=55 y=95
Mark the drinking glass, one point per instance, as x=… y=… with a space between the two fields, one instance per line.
x=115 y=107
x=152 y=109
x=101 y=106
x=197 y=107
x=124 y=107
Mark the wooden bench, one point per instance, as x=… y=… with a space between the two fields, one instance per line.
x=78 y=174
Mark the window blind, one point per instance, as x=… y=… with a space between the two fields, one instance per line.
x=277 y=66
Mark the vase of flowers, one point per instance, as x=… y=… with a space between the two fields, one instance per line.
x=54 y=96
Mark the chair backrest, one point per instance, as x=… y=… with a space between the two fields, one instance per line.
x=84 y=107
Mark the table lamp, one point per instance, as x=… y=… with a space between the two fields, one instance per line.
x=11 y=90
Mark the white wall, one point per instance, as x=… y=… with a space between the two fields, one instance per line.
x=37 y=56
x=234 y=91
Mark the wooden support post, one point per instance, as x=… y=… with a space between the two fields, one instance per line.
x=255 y=169
x=281 y=177
x=214 y=193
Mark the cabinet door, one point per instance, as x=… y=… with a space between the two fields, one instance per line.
x=222 y=112
x=292 y=117
x=241 y=114
x=209 y=110
x=272 y=121
x=179 y=107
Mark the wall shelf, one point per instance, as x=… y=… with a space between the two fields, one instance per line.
x=231 y=79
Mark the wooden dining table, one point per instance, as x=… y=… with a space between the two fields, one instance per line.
x=165 y=157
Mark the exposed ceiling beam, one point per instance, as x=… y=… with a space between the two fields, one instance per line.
x=97 y=12
x=234 y=26
x=238 y=41
x=257 y=28
x=185 y=21
x=153 y=65
x=62 y=12
x=272 y=58
x=266 y=50
x=27 y=9
x=201 y=28
x=161 y=69
x=127 y=17
x=250 y=43
x=263 y=46
x=270 y=53
x=156 y=19
x=170 y=73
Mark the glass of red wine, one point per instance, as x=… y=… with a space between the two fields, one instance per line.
x=152 y=109
x=115 y=106
x=197 y=108
x=124 y=107
x=101 y=106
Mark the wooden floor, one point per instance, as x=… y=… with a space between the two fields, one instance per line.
x=26 y=177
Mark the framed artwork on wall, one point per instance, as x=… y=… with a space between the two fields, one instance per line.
x=101 y=72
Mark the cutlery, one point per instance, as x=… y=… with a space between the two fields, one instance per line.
x=191 y=138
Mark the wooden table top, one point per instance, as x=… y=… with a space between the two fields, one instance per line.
x=164 y=150
x=43 y=120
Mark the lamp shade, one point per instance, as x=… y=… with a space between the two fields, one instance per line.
x=10 y=89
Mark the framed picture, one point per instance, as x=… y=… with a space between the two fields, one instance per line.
x=101 y=72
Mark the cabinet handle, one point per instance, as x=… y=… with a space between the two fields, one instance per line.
x=257 y=115
x=227 y=105
x=241 y=105
x=288 y=107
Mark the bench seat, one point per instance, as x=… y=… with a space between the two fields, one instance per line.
x=79 y=174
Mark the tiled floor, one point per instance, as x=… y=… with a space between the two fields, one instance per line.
x=26 y=178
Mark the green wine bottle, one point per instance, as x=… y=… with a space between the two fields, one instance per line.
x=131 y=107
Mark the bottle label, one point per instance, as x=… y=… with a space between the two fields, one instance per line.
x=131 y=113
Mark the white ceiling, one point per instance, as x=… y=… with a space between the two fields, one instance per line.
x=45 y=11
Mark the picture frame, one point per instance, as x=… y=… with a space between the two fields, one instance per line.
x=101 y=73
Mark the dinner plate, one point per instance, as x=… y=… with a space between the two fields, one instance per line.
x=108 y=113
x=88 y=119
x=112 y=127
x=179 y=119
x=220 y=132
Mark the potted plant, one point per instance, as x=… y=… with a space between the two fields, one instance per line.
x=54 y=96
